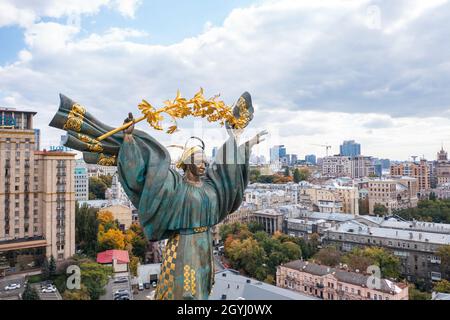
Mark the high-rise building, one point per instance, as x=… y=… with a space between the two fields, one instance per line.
x=350 y=148
x=310 y=158
x=37 y=200
x=362 y=166
x=37 y=139
x=81 y=181
x=293 y=159
x=277 y=154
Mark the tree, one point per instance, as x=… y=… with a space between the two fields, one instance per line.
x=95 y=277
x=380 y=209
x=254 y=226
x=297 y=177
x=432 y=196
x=286 y=172
x=134 y=262
x=97 y=188
x=86 y=228
x=361 y=259
x=30 y=293
x=329 y=256
x=444 y=254
x=75 y=294
x=51 y=267
x=254 y=175
x=111 y=239
x=415 y=294
x=107 y=180
x=442 y=286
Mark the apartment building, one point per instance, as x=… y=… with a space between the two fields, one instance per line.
x=415 y=246
x=420 y=171
x=336 y=284
x=37 y=200
x=81 y=181
x=336 y=166
x=398 y=193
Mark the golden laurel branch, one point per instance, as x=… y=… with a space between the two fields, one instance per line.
x=212 y=109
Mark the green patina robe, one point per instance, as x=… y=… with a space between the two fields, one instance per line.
x=169 y=207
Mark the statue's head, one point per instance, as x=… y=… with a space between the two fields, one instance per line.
x=193 y=161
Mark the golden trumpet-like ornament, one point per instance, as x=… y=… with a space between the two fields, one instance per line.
x=212 y=109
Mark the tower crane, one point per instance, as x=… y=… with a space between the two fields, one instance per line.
x=326 y=146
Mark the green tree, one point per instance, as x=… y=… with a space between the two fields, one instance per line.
x=254 y=175
x=432 y=196
x=389 y=264
x=286 y=172
x=95 y=277
x=444 y=254
x=297 y=177
x=30 y=293
x=107 y=180
x=51 y=267
x=329 y=256
x=86 y=228
x=442 y=286
x=415 y=294
x=81 y=294
x=380 y=209
x=97 y=187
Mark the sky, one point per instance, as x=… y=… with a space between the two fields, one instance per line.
x=319 y=72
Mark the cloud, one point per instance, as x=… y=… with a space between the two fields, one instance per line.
x=316 y=71
x=379 y=122
x=26 y=12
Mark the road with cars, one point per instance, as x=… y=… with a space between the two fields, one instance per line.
x=12 y=288
x=118 y=288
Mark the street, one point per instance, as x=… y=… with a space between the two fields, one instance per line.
x=11 y=294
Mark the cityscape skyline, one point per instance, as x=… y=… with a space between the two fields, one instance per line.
x=369 y=87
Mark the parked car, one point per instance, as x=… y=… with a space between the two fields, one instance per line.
x=12 y=286
x=49 y=289
x=154 y=284
x=123 y=297
x=147 y=285
x=121 y=292
x=140 y=286
x=121 y=280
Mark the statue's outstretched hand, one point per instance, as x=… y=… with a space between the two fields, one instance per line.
x=258 y=138
x=130 y=129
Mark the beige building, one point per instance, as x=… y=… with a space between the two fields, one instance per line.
x=121 y=213
x=442 y=168
x=336 y=284
x=420 y=171
x=37 y=199
x=395 y=193
x=336 y=166
x=333 y=199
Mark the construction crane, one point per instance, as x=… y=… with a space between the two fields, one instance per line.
x=327 y=147
x=414 y=158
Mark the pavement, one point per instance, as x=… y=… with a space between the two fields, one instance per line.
x=112 y=287
x=12 y=294
x=46 y=295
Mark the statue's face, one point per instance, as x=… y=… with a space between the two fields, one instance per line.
x=198 y=167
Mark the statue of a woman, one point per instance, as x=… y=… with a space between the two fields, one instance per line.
x=180 y=208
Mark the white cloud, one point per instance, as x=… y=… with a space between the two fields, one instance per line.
x=128 y=7
x=26 y=12
x=315 y=70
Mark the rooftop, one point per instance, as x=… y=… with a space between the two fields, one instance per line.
x=229 y=285
x=356 y=278
x=109 y=255
x=354 y=227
